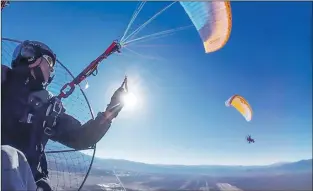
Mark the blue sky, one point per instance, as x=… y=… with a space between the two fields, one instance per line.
x=181 y=117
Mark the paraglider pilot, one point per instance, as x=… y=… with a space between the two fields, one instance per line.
x=249 y=139
x=23 y=113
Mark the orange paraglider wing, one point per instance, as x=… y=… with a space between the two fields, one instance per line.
x=213 y=21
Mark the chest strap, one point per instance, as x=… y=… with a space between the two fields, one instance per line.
x=53 y=111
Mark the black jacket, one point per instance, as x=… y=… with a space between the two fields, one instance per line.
x=15 y=96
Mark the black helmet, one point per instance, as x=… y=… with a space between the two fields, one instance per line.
x=29 y=51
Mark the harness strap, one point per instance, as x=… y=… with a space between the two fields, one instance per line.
x=53 y=111
x=43 y=133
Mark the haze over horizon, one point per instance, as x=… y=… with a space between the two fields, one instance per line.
x=211 y=164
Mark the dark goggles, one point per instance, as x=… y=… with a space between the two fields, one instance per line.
x=32 y=50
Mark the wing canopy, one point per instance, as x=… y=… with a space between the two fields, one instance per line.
x=213 y=21
x=241 y=105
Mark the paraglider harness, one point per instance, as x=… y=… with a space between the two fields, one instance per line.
x=44 y=125
x=43 y=132
x=25 y=54
x=55 y=107
x=53 y=111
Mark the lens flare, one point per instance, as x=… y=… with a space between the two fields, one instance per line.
x=130 y=100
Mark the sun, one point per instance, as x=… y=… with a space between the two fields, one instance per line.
x=130 y=100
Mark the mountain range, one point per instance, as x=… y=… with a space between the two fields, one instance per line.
x=302 y=166
x=141 y=176
x=64 y=160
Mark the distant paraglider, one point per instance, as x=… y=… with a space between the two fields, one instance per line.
x=241 y=105
x=249 y=139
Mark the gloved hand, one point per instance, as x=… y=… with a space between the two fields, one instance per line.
x=116 y=104
x=117 y=100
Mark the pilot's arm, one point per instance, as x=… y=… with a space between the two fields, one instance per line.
x=70 y=132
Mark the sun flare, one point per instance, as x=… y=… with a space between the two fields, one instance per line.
x=130 y=100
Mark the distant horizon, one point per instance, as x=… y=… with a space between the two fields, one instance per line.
x=142 y=162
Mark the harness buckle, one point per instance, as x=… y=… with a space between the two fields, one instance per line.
x=48 y=131
x=57 y=106
x=53 y=111
x=29 y=118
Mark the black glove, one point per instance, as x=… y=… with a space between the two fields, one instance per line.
x=116 y=104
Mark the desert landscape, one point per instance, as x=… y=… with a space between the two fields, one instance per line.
x=109 y=174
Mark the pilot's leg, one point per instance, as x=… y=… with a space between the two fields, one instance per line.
x=16 y=174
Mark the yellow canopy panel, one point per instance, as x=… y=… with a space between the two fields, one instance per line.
x=241 y=105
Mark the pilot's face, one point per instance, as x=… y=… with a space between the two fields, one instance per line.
x=46 y=66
